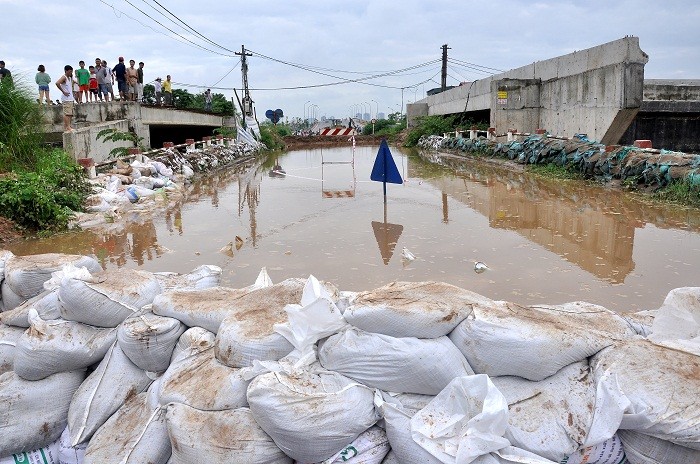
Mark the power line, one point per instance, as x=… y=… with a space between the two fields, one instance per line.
x=229 y=72
x=474 y=66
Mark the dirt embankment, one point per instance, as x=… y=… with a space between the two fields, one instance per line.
x=298 y=142
x=8 y=231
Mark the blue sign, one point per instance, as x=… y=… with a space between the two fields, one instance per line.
x=385 y=169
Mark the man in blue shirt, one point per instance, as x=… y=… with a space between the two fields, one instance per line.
x=120 y=73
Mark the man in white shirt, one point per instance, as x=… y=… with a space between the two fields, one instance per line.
x=65 y=85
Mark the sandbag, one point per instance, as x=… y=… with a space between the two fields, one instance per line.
x=8 y=342
x=10 y=300
x=657 y=389
x=191 y=342
x=535 y=342
x=33 y=413
x=108 y=298
x=49 y=454
x=403 y=365
x=45 y=304
x=677 y=322
x=204 y=276
x=219 y=437
x=135 y=434
x=369 y=448
x=610 y=451
x=148 y=340
x=26 y=275
x=205 y=308
x=391 y=458
x=552 y=417
x=247 y=333
x=412 y=309
x=397 y=421
x=48 y=347
x=311 y=414
x=115 y=380
x=68 y=454
x=202 y=382
x=645 y=449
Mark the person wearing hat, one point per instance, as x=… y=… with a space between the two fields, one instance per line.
x=158 y=88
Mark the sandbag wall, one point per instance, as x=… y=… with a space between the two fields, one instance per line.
x=652 y=169
x=136 y=367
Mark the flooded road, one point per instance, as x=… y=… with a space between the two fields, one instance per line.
x=544 y=241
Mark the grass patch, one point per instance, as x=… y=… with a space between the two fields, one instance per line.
x=21 y=127
x=681 y=192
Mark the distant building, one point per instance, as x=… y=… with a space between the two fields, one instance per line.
x=381 y=116
x=366 y=117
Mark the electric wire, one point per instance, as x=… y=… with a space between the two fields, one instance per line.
x=224 y=76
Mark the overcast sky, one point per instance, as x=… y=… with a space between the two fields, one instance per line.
x=364 y=37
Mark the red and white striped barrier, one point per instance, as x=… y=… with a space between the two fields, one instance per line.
x=332 y=131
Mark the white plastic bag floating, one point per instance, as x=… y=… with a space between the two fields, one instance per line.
x=640 y=448
x=311 y=415
x=148 y=340
x=33 y=413
x=193 y=341
x=8 y=342
x=204 y=276
x=135 y=434
x=535 y=342
x=402 y=365
x=115 y=380
x=109 y=298
x=553 y=417
x=677 y=322
x=247 y=333
x=26 y=274
x=45 y=304
x=655 y=388
x=202 y=382
x=412 y=309
x=48 y=347
x=220 y=437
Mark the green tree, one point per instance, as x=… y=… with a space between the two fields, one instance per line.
x=183 y=98
x=149 y=94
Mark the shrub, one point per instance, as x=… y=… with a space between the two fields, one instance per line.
x=430 y=125
x=21 y=122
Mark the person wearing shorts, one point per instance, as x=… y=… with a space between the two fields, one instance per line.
x=43 y=80
x=82 y=75
x=132 y=80
x=65 y=85
x=92 y=85
x=104 y=80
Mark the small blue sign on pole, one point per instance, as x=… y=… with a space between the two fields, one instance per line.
x=385 y=169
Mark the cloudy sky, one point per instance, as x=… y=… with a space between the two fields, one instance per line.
x=304 y=52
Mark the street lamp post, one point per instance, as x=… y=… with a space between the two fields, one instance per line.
x=308 y=101
x=376 y=113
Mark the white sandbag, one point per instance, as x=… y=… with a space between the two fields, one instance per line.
x=8 y=342
x=369 y=448
x=610 y=451
x=403 y=365
x=656 y=388
x=33 y=413
x=135 y=434
x=115 y=380
x=397 y=422
x=26 y=274
x=391 y=458
x=537 y=341
x=412 y=309
x=551 y=418
x=68 y=454
x=193 y=341
x=10 y=299
x=645 y=449
x=48 y=347
x=46 y=455
x=45 y=304
x=109 y=298
x=204 y=276
x=148 y=340
x=202 y=382
x=411 y=401
x=641 y=321
x=219 y=437
x=677 y=322
x=311 y=414
x=247 y=333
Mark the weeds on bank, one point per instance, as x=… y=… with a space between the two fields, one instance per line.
x=681 y=192
x=21 y=123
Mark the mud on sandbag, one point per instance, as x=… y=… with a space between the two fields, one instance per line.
x=135 y=434
x=535 y=342
x=402 y=365
x=412 y=309
x=148 y=340
x=25 y=275
x=219 y=437
x=33 y=413
x=108 y=298
x=313 y=413
x=48 y=347
x=204 y=276
x=191 y=342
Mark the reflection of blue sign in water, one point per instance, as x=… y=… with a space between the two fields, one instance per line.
x=385 y=169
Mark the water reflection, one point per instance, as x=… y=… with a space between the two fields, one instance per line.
x=387 y=236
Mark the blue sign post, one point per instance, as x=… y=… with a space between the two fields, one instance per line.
x=385 y=169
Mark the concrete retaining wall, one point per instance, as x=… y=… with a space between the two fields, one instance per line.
x=83 y=143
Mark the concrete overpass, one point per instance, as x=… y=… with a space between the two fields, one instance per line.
x=597 y=91
x=154 y=124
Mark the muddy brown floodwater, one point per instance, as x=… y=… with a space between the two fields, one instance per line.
x=544 y=241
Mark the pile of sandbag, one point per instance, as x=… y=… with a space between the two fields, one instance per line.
x=136 y=367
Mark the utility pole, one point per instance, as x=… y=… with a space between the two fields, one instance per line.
x=443 y=84
x=247 y=107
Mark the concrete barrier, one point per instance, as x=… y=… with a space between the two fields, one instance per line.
x=83 y=143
